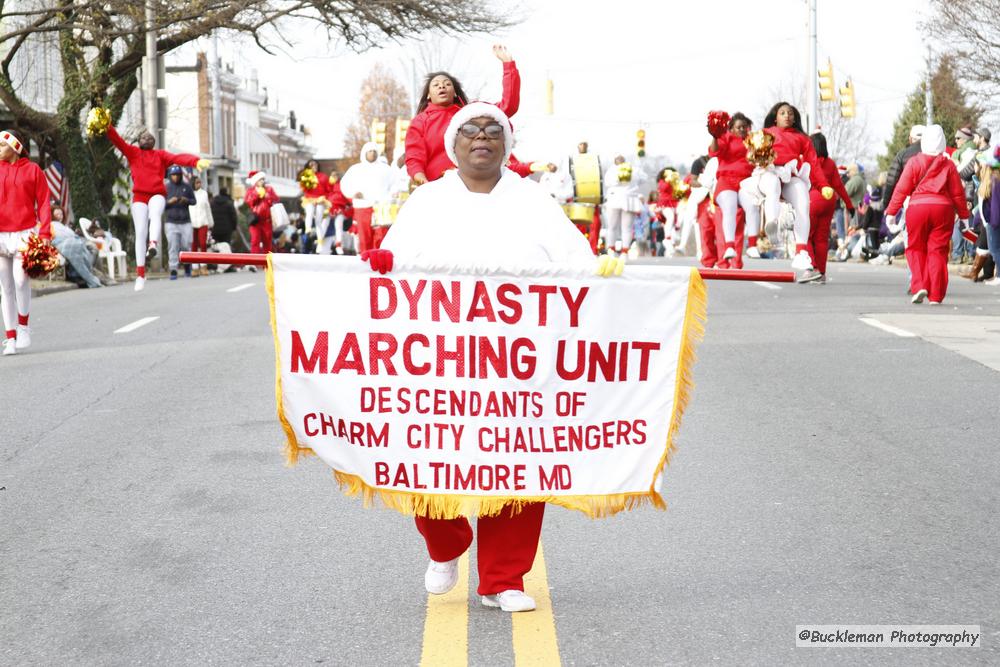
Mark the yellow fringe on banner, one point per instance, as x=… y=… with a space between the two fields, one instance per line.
x=449 y=506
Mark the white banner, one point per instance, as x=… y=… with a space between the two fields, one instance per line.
x=454 y=390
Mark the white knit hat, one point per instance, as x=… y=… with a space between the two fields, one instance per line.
x=255 y=177
x=475 y=110
x=916 y=132
x=933 y=141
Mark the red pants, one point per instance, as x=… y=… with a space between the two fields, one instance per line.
x=378 y=233
x=707 y=220
x=199 y=240
x=928 y=233
x=260 y=237
x=595 y=229
x=366 y=236
x=507 y=544
x=820 y=214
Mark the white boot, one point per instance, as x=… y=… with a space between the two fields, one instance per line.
x=801 y=261
x=23 y=336
x=140 y=283
x=441 y=577
x=9 y=346
x=512 y=600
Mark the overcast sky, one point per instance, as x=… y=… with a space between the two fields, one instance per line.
x=656 y=64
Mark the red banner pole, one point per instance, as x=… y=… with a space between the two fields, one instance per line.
x=246 y=259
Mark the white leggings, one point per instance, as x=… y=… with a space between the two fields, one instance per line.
x=619 y=229
x=795 y=192
x=727 y=201
x=147 y=218
x=16 y=290
x=314 y=212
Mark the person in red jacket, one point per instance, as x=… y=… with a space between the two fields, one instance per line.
x=793 y=173
x=339 y=205
x=733 y=169
x=24 y=203
x=260 y=197
x=440 y=100
x=934 y=187
x=148 y=166
x=822 y=209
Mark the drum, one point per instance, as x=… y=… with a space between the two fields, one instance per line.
x=579 y=213
x=587 y=182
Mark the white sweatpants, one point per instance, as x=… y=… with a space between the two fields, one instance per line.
x=795 y=192
x=148 y=222
x=15 y=290
x=728 y=201
x=313 y=213
x=620 y=225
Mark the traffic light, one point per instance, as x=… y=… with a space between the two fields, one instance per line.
x=640 y=143
x=378 y=135
x=826 y=84
x=402 y=125
x=847 y=102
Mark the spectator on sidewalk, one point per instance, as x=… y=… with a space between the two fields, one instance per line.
x=201 y=223
x=79 y=255
x=260 y=198
x=224 y=216
x=180 y=197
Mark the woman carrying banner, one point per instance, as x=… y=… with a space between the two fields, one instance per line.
x=484 y=214
x=442 y=97
x=24 y=201
x=148 y=165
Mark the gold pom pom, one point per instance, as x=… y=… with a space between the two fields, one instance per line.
x=624 y=172
x=308 y=179
x=760 y=148
x=98 y=121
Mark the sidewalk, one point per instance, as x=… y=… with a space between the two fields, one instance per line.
x=43 y=286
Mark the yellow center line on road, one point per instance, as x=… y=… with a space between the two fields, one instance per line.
x=446 y=628
x=535 y=631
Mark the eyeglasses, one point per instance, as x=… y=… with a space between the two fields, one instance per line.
x=471 y=130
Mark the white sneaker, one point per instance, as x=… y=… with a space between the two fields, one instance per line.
x=992 y=281
x=881 y=260
x=919 y=296
x=511 y=600
x=810 y=276
x=140 y=283
x=9 y=346
x=23 y=336
x=753 y=253
x=801 y=261
x=441 y=577
x=730 y=253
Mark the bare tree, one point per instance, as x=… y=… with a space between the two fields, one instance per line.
x=101 y=44
x=382 y=98
x=971 y=31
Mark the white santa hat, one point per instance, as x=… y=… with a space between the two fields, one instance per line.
x=255 y=177
x=476 y=110
x=933 y=141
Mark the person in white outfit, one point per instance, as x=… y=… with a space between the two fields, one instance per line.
x=201 y=224
x=367 y=183
x=623 y=200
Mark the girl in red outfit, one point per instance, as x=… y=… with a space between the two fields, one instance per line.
x=733 y=170
x=314 y=201
x=794 y=170
x=822 y=209
x=24 y=202
x=260 y=197
x=440 y=100
x=934 y=187
x=148 y=166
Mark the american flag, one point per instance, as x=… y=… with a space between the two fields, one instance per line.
x=58 y=186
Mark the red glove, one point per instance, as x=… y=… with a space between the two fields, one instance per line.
x=380 y=260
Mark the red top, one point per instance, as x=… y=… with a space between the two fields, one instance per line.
x=425 y=137
x=321 y=189
x=261 y=206
x=829 y=168
x=24 y=198
x=732 y=156
x=338 y=202
x=149 y=166
x=791 y=145
x=665 y=194
x=929 y=179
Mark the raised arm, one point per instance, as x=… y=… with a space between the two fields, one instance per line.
x=125 y=148
x=511 y=81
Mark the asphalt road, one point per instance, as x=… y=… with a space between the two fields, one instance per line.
x=828 y=472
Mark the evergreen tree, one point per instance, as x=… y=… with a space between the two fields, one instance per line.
x=952 y=110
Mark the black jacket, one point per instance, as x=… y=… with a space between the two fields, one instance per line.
x=896 y=169
x=224 y=214
x=178 y=211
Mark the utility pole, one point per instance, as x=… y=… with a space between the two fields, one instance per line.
x=149 y=74
x=218 y=142
x=928 y=93
x=812 y=108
